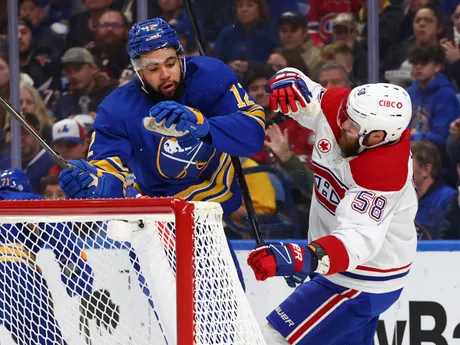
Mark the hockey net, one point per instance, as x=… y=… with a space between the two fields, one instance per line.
x=119 y=271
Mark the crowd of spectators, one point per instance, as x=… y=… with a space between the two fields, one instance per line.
x=72 y=55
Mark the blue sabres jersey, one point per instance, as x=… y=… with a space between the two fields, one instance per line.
x=200 y=172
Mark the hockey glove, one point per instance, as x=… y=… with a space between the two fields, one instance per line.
x=84 y=181
x=76 y=273
x=277 y=259
x=288 y=92
x=185 y=118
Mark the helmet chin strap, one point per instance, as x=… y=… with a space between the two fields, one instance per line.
x=363 y=147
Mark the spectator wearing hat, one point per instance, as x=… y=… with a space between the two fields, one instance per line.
x=36 y=162
x=249 y=41
x=70 y=141
x=109 y=44
x=294 y=35
x=86 y=87
x=37 y=63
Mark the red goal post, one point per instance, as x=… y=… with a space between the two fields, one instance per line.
x=207 y=287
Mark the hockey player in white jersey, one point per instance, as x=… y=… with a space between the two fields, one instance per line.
x=362 y=235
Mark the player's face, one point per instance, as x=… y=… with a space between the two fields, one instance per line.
x=162 y=71
x=54 y=192
x=348 y=144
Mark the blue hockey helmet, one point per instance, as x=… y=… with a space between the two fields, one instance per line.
x=14 y=179
x=151 y=35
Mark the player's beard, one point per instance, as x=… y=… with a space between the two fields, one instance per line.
x=348 y=145
x=158 y=96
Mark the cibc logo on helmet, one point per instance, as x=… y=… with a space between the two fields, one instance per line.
x=390 y=104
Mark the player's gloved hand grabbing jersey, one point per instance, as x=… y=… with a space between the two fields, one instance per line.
x=84 y=181
x=289 y=260
x=185 y=118
x=288 y=92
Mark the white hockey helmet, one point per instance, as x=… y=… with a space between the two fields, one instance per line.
x=376 y=107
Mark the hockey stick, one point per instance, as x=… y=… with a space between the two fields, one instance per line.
x=235 y=160
x=22 y=121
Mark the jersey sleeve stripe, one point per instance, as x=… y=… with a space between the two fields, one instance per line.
x=337 y=253
x=226 y=193
x=261 y=122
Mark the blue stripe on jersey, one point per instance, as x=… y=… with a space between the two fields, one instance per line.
x=373 y=278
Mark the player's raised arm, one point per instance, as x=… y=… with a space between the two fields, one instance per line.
x=294 y=94
x=103 y=174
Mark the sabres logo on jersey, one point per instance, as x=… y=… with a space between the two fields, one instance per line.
x=177 y=162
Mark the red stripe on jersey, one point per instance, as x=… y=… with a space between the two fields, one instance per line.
x=338 y=255
x=382 y=270
x=319 y=314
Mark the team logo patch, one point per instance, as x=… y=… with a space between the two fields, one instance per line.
x=328 y=188
x=324 y=146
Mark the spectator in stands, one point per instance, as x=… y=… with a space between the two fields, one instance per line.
x=32 y=102
x=109 y=44
x=433 y=97
x=82 y=29
x=340 y=53
x=390 y=16
x=70 y=141
x=345 y=30
x=451 y=48
x=294 y=35
x=331 y=74
x=87 y=88
x=282 y=58
x=36 y=63
x=249 y=41
x=300 y=138
x=433 y=193
x=86 y=121
x=50 y=37
x=50 y=188
x=427 y=27
x=322 y=13
x=301 y=175
x=36 y=162
x=406 y=29
x=5 y=93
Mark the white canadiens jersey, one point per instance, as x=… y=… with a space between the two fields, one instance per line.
x=368 y=202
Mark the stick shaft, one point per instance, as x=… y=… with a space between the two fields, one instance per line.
x=9 y=108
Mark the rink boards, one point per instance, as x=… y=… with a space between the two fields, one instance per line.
x=427 y=312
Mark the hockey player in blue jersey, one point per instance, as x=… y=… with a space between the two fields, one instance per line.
x=26 y=306
x=197 y=95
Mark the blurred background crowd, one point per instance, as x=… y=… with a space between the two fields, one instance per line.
x=72 y=55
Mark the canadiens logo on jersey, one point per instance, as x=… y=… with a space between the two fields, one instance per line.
x=177 y=162
x=329 y=190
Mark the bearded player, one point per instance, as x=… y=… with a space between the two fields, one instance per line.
x=362 y=234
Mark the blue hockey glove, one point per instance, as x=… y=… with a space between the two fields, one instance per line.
x=84 y=181
x=277 y=259
x=76 y=273
x=287 y=92
x=185 y=118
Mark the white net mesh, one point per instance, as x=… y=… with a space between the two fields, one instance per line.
x=66 y=280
